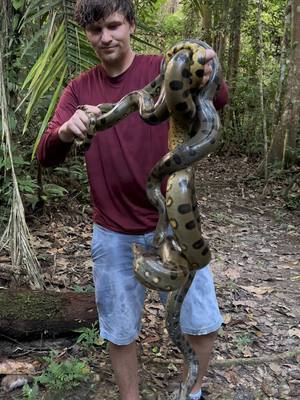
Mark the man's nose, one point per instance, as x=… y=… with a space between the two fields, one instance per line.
x=106 y=36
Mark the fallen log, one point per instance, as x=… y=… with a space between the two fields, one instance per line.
x=32 y=313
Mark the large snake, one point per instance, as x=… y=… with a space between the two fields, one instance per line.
x=194 y=129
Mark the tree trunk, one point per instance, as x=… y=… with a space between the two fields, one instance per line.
x=233 y=55
x=285 y=44
x=261 y=86
x=25 y=313
x=221 y=18
x=206 y=24
x=234 y=43
x=172 y=6
x=284 y=139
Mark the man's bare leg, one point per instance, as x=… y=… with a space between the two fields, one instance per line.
x=203 y=347
x=125 y=367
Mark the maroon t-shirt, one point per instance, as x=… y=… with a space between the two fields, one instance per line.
x=119 y=159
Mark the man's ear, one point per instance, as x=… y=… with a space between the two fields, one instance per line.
x=132 y=28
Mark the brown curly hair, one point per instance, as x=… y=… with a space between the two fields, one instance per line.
x=90 y=11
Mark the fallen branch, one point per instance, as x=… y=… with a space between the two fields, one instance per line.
x=231 y=362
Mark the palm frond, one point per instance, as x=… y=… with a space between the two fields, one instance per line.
x=16 y=236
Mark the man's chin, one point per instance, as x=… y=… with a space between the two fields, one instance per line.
x=107 y=58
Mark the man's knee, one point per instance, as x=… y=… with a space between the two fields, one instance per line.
x=208 y=338
x=122 y=347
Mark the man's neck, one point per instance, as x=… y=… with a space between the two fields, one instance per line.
x=114 y=70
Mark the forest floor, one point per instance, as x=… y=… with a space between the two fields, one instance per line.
x=255 y=241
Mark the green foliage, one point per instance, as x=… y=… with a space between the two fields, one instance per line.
x=89 y=337
x=63 y=375
x=241 y=341
x=58 y=377
x=84 y=289
x=30 y=393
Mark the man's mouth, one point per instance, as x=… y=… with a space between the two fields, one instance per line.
x=108 y=48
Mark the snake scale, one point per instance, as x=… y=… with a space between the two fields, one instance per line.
x=177 y=253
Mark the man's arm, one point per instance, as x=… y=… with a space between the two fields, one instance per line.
x=222 y=96
x=67 y=124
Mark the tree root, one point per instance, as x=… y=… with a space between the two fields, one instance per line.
x=232 y=362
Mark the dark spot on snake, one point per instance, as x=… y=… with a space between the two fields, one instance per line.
x=199 y=73
x=190 y=114
x=213 y=141
x=190 y=225
x=197 y=245
x=184 y=208
x=205 y=251
x=177 y=159
x=181 y=57
x=173 y=276
x=183 y=183
x=152 y=120
x=192 y=133
x=181 y=106
x=153 y=84
x=201 y=60
x=180 y=299
x=168 y=163
x=192 y=152
x=176 y=85
x=186 y=93
x=185 y=73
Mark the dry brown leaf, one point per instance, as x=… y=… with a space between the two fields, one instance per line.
x=294 y=332
x=231 y=377
x=232 y=273
x=246 y=303
x=10 y=367
x=227 y=318
x=275 y=368
x=62 y=262
x=258 y=290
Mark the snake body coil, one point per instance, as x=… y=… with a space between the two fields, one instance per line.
x=193 y=133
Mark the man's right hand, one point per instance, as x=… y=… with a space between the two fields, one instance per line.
x=77 y=126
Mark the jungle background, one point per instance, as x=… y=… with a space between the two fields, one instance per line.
x=248 y=193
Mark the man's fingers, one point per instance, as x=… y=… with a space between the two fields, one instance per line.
x=209 y=55
x=93 y=109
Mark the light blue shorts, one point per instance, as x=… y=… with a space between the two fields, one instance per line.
x=120 y=297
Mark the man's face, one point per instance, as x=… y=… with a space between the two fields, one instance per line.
x=110 y=38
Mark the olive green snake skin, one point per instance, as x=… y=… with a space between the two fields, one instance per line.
x=194 y=129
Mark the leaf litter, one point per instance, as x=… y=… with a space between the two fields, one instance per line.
x=256 y=263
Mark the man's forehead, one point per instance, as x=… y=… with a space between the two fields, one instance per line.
x=115 y=17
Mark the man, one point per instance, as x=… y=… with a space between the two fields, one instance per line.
x=118 y=163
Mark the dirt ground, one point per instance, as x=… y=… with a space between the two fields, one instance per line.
x=256 y=263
